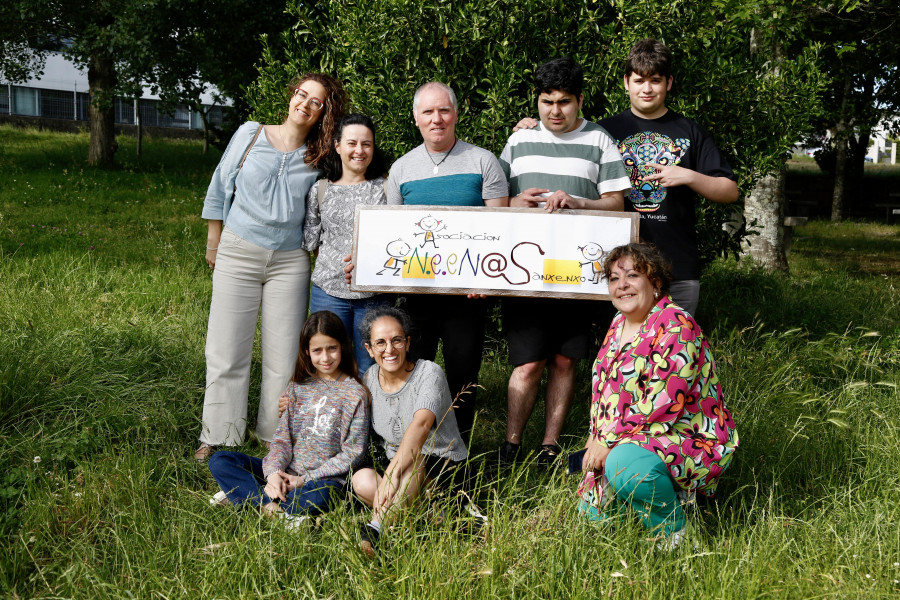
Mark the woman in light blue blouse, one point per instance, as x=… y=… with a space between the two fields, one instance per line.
x=255 y=207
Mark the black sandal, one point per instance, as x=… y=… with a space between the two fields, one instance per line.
x=509 y=452
x=547 y=455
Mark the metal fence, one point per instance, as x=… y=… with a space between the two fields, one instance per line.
x=59 y=104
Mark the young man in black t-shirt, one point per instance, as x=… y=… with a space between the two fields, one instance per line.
x=670 y=160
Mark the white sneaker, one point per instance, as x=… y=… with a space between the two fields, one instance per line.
x=673 y=541
x=474 y=511
x=219 y=499
x=292 y=522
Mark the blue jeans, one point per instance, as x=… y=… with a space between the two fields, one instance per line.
x=351 y=313
x=241 y=478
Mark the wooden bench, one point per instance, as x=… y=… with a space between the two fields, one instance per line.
x=892 y=207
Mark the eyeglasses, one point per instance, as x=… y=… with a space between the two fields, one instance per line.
x=396 y=343
x=314 y=103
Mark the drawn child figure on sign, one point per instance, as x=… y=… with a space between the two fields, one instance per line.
x=397 y=251
x=429 y=226
x=593 y=253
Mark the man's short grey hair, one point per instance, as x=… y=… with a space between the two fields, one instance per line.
x=435 y=85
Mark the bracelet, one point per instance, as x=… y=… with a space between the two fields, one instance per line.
x=208 y=248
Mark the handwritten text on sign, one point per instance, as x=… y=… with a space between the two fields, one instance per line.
x=495 y=251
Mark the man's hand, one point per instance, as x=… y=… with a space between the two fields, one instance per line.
x=528 y=199
x=714 y=189
x=560 y=199
x=283 y=403
x=526 y=123
x=671 y=175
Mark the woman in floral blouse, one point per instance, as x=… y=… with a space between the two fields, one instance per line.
x=354 y=174
x=659 y=428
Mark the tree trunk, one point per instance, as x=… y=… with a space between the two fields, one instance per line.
x=765 y=204
x=205 y=121
x=140 y=127
x=839 y=137
x=102 y=82
x=840 y=176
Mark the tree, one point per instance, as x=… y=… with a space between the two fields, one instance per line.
x=218 y=54
x=778 y=33
x=487 y=50
x=173 y=45
x=861 y=54
x=108 y=37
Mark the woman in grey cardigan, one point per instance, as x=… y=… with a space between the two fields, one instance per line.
x=354 y=174
x=412 y=411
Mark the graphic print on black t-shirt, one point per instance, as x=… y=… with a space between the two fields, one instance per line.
x=649 y=147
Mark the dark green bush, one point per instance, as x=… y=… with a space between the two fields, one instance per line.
x=486 y=50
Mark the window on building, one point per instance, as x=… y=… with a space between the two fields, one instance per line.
x=25 y=101
x=57 y=104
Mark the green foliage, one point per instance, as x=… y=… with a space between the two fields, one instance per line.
x=384 y=49
x=180 y=49
x=101 y=384
x=861 y=55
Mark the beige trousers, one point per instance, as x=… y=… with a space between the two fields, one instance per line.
x=250 y=283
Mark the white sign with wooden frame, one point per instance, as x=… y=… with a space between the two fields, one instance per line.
x=484 y=250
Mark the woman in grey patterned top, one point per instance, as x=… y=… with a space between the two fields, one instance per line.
x=353 y=175
x=412 y=411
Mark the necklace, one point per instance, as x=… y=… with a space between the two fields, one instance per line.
x=439 y=163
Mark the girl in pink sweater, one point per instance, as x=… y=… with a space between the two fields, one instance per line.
x=321 y=435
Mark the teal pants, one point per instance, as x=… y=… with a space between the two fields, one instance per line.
x=640 y=480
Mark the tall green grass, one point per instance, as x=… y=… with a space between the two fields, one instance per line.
x=103 y=305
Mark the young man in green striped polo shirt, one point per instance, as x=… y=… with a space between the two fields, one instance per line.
x=565 y=162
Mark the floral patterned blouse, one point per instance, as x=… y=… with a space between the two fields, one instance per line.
x=660 y=391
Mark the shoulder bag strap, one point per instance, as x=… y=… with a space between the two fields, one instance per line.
x=246 y=152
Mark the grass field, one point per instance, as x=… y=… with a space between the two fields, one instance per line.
x=103 y=303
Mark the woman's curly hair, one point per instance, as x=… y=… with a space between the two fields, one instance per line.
x=647 y=261
x=318 y=141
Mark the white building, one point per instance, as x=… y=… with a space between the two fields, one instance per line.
x=882 y=149
x=62 y=93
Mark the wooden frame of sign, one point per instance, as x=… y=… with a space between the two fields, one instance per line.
x=486 y=250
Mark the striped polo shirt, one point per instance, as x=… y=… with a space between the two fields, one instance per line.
x=583 y=162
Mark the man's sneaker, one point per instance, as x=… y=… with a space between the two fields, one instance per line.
x=547 y=455
x=368 y=540
x=509 y=452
